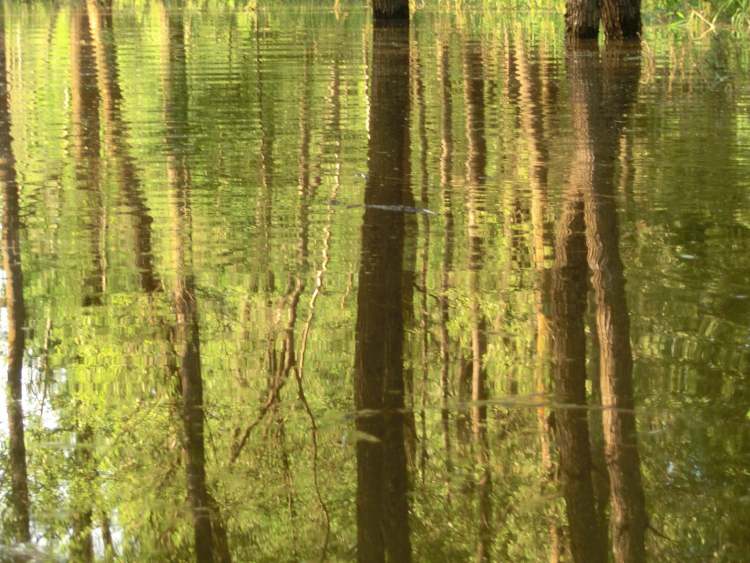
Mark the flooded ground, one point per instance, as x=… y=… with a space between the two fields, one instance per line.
x=280 y=286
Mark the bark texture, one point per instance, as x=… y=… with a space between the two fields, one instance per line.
x=582 y=18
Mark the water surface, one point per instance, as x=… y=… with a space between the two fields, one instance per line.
x=281 y=286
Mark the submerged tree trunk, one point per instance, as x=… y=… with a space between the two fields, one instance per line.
x=390 y=9
x=382 y=476
x=16 y=312
x=582 y=18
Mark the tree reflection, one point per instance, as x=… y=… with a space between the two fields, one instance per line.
x=86 y=148
x=116 y=134
x=382 y=477
x=476 y=165
x=16 y=312
x=86 y=153
x=601 y=93
x=620 y=73
x=208 y=529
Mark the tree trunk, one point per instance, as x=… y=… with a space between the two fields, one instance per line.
x=582 y=19
x=390 y=9
x=621 y=18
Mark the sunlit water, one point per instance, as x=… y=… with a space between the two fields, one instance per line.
x=281 y=286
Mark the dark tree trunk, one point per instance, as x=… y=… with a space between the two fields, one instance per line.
x=16 y=311
x=390 y=9
x=382 y=476
x=582 y=18
x=621 y=18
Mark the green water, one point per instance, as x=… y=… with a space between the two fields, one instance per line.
x=280 y=286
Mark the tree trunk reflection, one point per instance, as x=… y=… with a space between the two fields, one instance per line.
x=86 y=147
x=532 y=110
x=208 y=530
x=620 y=71
x=476 y=164
x=116 y=139
x=16 y=312
x=601 y=95
x=382 y=477
x=446 y=189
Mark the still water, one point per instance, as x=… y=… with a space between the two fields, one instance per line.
x=280 y=286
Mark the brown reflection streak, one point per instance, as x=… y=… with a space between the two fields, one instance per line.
x=601 y=96
x=86 y=146
x=86 y=153
x=419 y=97
x=531 y=109
x=115 y=138
x=476 y=165
x=620 y=72
x=382 y=477
x=16 y=312
x=446 y=189
x=209 y=533
x=568 y=295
